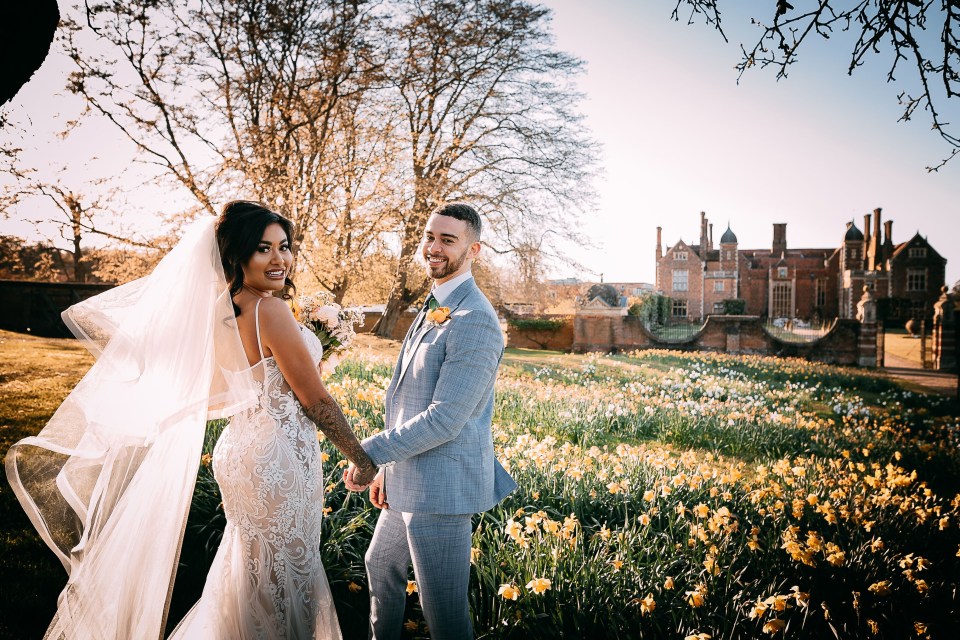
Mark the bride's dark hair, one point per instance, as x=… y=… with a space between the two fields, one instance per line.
x=239 y=231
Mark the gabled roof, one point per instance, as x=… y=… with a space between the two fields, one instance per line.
x=916 y=241
x=597 y=303
x=681 y=246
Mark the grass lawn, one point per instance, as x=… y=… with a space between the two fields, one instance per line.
x=36 y=374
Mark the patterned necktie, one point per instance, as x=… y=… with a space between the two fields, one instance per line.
x=426 y=308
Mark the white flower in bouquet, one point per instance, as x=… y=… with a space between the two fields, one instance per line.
x=330 y=322
x=330 y=363
x=328 y=314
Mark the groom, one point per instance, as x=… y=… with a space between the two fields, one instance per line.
x=436 y=454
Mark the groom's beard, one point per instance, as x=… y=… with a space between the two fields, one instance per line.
x=449 y=267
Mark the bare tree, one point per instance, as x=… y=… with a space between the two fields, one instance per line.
x=921 y=35
x=230 y=98
x=120 y=265
x=489 y=108
x=364 y=203
x=528 y=282
x=75 y=216
x=295 y=102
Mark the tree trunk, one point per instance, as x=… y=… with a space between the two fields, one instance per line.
x=76 y=213
x=404 y=292
x=391 y=316
x=339 y=289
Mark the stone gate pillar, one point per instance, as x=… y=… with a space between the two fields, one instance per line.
x=944 y=332
x=867 y=342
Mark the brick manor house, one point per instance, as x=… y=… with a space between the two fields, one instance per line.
x=802 y=283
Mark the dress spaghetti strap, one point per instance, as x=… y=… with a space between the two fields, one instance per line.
x=256 y=315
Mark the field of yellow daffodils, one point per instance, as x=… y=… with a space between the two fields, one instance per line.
x=692 y=496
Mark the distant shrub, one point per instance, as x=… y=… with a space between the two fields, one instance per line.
x=606 y=293
x=734 y=307
x=651 y=308
x=535 y=324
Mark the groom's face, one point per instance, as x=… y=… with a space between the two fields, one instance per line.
x=448 y=248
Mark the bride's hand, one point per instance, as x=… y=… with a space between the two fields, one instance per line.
x=357 y=479
x=348 y=480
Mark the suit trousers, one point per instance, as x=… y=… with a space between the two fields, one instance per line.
x=438 y=545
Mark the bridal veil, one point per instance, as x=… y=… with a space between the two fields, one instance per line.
x=108 y=482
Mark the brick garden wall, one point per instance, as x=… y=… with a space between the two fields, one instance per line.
x=35 y=307
x=725 y=334
x=560 y=339
x=399 y=331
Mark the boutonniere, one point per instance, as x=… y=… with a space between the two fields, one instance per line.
x=437 y=315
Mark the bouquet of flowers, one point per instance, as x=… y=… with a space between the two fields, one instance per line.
x=330 y=322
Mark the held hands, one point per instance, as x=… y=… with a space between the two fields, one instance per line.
x=357 y=480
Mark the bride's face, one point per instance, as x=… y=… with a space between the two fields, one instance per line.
x=268 y=267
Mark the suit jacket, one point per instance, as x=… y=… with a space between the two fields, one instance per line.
x=439 y=407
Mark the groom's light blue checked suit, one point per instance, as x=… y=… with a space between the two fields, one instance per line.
x=440 y=465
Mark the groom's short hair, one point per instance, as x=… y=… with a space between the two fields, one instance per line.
x=465 y=212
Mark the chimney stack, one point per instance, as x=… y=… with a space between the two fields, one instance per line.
x=887 y=241
x=874 y=255
x=703 y=234
x=659 y=242
x=779 y=238
x=866 y=237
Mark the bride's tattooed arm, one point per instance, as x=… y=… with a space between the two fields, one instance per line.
x=328 y=417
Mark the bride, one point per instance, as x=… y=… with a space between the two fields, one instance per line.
x=108 y=481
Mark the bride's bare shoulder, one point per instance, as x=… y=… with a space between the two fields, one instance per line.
x=275 y=306
x=276 y=315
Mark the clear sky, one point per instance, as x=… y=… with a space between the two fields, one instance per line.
x=680 y=136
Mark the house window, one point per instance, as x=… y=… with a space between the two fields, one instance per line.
x=781 y=272
x=718 y=285
x=680 y=255
x=782 y=300
x=916 y=279
x=918 y=252
x=718 y=308
x=680 y=280
x=820 y=293
x=679 y=309
x=854 y=254
x=729 y=255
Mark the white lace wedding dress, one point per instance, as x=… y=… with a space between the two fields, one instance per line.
x=267 y=580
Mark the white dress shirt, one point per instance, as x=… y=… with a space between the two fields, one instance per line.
x=442 y=291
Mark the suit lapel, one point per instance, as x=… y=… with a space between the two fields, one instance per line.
x=456 y=299
x=407 y=355
x=417 y=320
x=404 y=348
